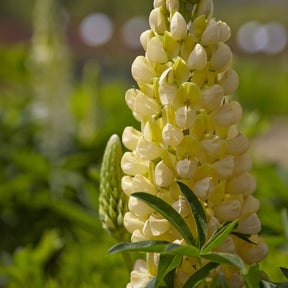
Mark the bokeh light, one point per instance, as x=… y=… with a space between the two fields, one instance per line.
x=132 y=30
x=96 y=29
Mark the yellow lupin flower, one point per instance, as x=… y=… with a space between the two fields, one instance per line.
x=188 y=134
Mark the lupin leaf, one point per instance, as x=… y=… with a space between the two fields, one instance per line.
x=167 y=263
x=219 y=236
x=224 y=258
x=153 y=246
x=219 y=281
x=197 y=211
x=176 y=249
x=253 y=277
x=169 y=213
x=284 y=271
x=200 y=275
x=244 y=237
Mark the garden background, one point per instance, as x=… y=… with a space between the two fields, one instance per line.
x=64 y=69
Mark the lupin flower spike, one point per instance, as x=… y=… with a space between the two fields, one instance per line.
x=112 y=201
x=188 y=134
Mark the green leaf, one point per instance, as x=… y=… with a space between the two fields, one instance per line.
x=169 y=213
x=176 y=249
x=284 y=271
x=153 y=246
x=219 y=281
x=253 y=277
x=167 y=263
x=244 y=237
x=219 y=236
x=224 y=258
x=200 y=275
x=198 y=213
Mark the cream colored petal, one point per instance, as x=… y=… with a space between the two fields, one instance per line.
x=255 y=254
x=224 y=167
x=185 y=117
x=186 y=168
x=251 y=205
x=228 y=211
x=249 y=225
x=172 y=135
x=147 y=150
x=178 y=26
x=243 y=163
x=212 y=146
x=205 y=7
x=146 y=106
x=163 y=175
x=172 y=5
x=229 y=82
x=126 y=185
x=133 y=222
x=157 y=20
x=225 y=31
x=130 y=137
x=145 y=37
x=244 y=183
x=198 y=58
x=138 y=236
x=140 y=280
x=211 y=34
x=139 y=208
x=212 y=96
x=132 y=164
x=159 y=226
x=142 y=184
x=141 y=70
x=155 y=51
x=221 y=58
x=203 y=188
x=237 y=145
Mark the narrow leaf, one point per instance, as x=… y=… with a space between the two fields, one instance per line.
x=169 y=213
x=201 y=274
x=219 y=236
x=153 y=246
x=253 y=277
x=219 y=281
x=176 y=249
x=244 y=237
x=197 y=211
x=167 y=263
x=224 y=258
x=284 y=271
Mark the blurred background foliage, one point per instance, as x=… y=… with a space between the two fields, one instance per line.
x=62 y=97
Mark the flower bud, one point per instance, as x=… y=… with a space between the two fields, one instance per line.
x=228 y=114
x=148 y=150
x=227 y=246
x=141 y=70
x=167 y=90
x=155 y=51
x=211 y=34
x=249 y=225
x=126 y=185
x=159 y=3
x=243 y=163
x=205 y=7
x=237 y=145
x=198 y=58
x=255 y=253
x=244 y=183
x=225 y=31
x=236 y=281
x=212 y=96
x=213 y=225
x=132 y=164
x=133 y=222
x=181 y=206
x=145 y=38
x=138 y=207
x=212 y=146
x=157 y=20
x=172 y=135
x=146 y=106
x=228 y=211
x=186 y=168
x=163 y=175
x=250 y=206
x=185 y=117
x=229 y=82
x=130 y=138
x=224 y=167
x=142 y=184
x=178 y=26
x=221 y=58
x=203 y=188
x=172 y=5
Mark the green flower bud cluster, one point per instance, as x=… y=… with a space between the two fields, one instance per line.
x=188 y=134
x=112 y=200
